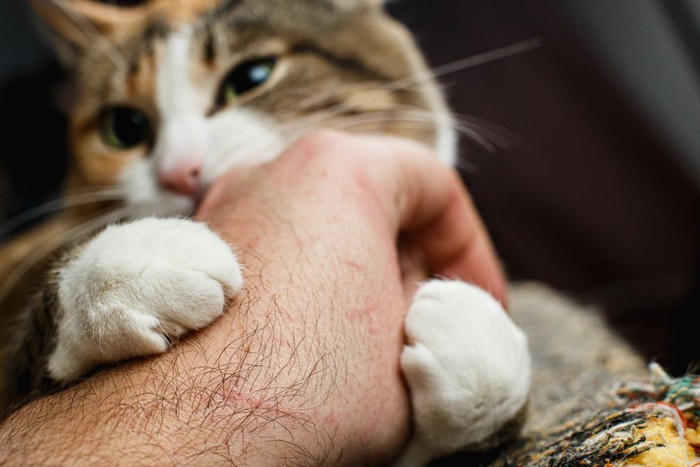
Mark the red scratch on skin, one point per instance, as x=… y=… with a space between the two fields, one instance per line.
x=356 y=266
x=365 y=314
x=364 y=309
x=270 y=406
x=331 y=419
x=357 y=313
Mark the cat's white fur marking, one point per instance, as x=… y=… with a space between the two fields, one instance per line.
x=446 y=141
x=237 y=137
x=181 y=105
x=135 y=287
x=175 y=94
x=145 y=196
x=467 y=366
x=241 y=137
x=232 y=137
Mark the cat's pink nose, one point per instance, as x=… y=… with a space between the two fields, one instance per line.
x=184 y=179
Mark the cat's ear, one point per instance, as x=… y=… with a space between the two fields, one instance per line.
x=74 y=25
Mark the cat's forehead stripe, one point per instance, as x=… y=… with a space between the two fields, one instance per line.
x=152 y=62
x=209 y=48
x=159 y=31
x=329 y=66
x=144 y=47
x=225 y=8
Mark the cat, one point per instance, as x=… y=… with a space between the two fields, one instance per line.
x=172 y=95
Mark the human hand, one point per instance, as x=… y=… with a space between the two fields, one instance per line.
x=303 y=368
x=361 y=195
x=424 y=204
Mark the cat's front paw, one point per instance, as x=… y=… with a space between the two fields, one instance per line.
x=467 y=367
x=135 y=288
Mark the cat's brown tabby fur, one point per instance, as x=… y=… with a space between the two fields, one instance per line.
x=349 y=56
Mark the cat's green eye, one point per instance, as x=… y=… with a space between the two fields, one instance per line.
x=244 y=78
x=124 y=128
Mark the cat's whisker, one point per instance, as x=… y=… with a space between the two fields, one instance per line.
x=83 y=189
x=405 y=84
x=402 y=115
x=381 y=118
x=319 y=112
x=257 y=146
x=469 y=62
x=336 y=120
x=478 y=131
x=500 y=138
x=92 y=34
x=51 y=246
x=327 y=100
x=58 y=204
x=398 y=114
x=481 y=133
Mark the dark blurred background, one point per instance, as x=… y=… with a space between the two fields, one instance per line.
x=592 y=183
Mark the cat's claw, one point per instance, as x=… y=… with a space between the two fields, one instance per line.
x=135 y=288
x=467 y=367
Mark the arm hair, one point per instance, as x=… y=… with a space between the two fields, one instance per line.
x=231 y=406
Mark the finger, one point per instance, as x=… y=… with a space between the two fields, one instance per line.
x=439 y=220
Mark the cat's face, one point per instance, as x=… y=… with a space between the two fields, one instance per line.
x=173 y=93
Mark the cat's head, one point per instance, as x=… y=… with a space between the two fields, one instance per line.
x=174 y=92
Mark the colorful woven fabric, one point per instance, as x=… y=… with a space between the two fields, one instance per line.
x=653 y=424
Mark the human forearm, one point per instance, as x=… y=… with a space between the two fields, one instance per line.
x=303 y=367
x=267 y=381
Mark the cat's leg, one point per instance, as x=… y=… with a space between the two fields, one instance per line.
x=467 y=367
x=136 y=287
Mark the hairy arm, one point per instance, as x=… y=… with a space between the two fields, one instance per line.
x=303 y=368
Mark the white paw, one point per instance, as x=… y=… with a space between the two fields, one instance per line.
x=467 y=367
x=136 y=287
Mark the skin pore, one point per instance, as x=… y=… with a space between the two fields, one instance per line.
x=303 y=368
